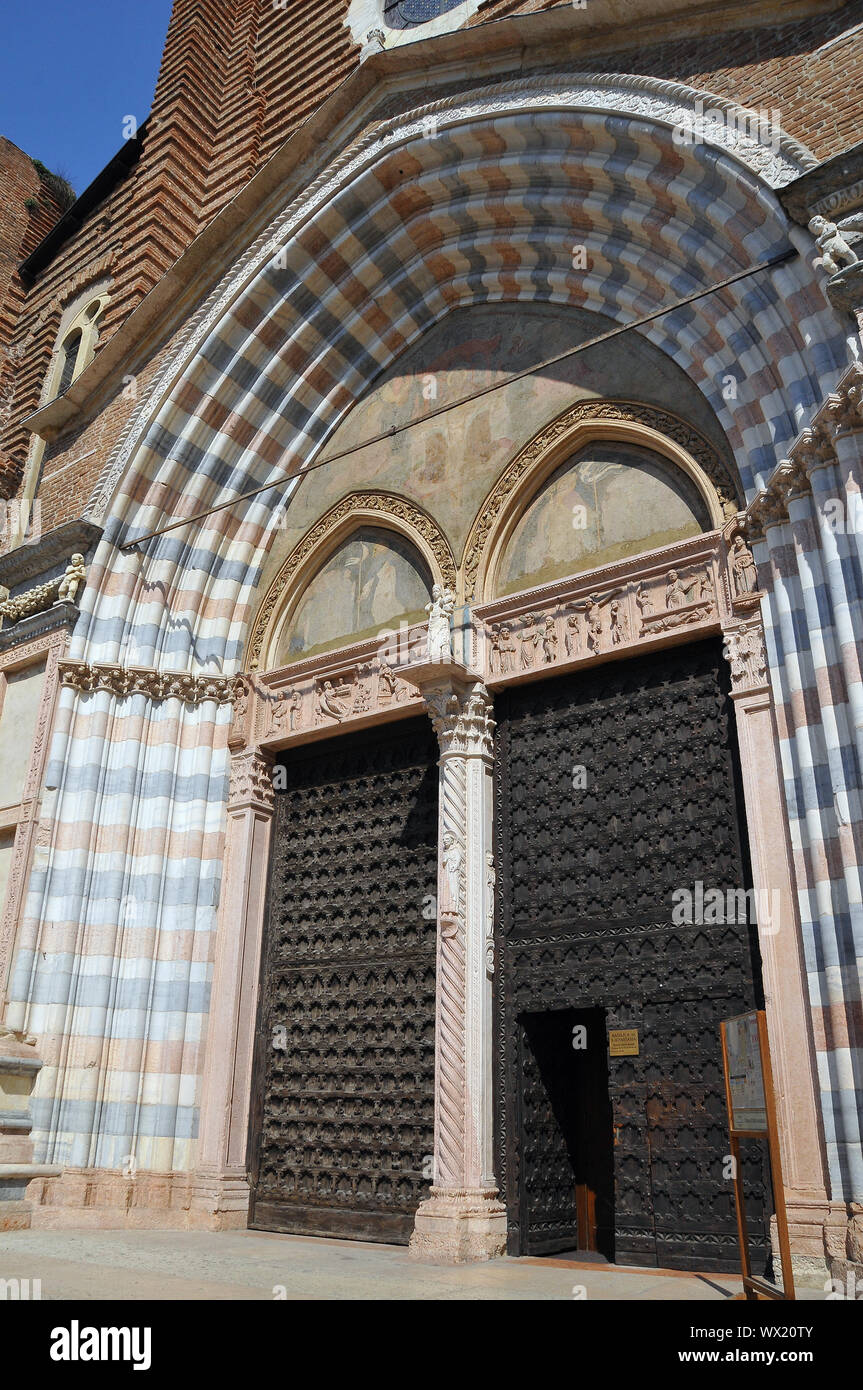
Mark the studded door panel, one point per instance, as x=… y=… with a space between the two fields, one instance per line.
x=343 y=1118
x=586 y=875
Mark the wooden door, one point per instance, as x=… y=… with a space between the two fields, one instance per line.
x=343 y=1110
x=586 y=881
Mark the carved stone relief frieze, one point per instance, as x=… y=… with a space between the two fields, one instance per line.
x=319 y=695
x=558 y=625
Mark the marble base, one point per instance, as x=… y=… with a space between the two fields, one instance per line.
x=459 y=1227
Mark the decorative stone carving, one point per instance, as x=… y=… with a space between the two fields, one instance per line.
x=572 y=635
x=490 y=883
x=287 y=711
x=530 y=638
x=619 y=623
x=382 y=504
x=63 y=589
x=440 y=612
x=390 y=688
x=462 y=1218
x=74 y=577
x=549 y=639
x=121 y=681
x=745 y=652
x=503 y=650
x=251 y=780
x=461 y=718
x=331 y=701
x=689 y=599
x=836 y=240
x=742 y=566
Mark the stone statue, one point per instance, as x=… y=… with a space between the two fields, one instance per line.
x=440 y=612
x=76 y=573
x=743 y=571
x=836 y=241
x=453 y=861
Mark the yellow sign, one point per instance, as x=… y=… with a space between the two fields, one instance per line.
x=623 y=1042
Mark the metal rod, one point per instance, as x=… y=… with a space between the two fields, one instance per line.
x=465 y=400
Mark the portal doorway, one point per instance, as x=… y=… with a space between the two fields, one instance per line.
x=342 y=1125
x=615 y=788
x=567 y=1133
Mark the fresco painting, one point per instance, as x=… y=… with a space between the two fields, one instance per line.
x=609 y=501
x=374 y=581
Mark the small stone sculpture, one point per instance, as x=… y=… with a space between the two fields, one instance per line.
x=836 y=241
x=743 y=571
x=440 y=612
x=76 y=573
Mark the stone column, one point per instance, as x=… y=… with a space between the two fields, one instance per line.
x=786 y=1001
x=463 y=1218
x=221 y=1192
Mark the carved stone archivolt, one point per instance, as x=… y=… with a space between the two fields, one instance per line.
x=604 y=414
x=122 y=681
x=345 y=516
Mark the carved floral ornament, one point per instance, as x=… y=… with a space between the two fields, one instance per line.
x=622 y=421
x=323 y=538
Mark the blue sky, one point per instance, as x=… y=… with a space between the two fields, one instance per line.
x=70 y=70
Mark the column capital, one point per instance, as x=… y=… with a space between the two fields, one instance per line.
x=251 y=782
x=744 y=650
x=459 y=706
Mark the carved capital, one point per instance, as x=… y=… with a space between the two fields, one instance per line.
x=744 y=650
x=251 y=781
x=462 y=718
x=766 y=509
x=791 y=480
x=842 y=412
x=123 y=681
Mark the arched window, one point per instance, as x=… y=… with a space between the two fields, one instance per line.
x=77 y=341
x=372 y=583
x=69 y=356
x=406 y=14
x=610 y=500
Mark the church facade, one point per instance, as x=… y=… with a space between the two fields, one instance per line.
x=431 y=462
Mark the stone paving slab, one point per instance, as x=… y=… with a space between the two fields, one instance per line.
x=183 y=1265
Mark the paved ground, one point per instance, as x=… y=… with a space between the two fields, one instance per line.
x=253 y=1265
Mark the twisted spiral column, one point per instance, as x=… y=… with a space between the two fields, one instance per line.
x=462 y=1219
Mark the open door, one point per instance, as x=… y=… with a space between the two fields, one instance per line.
x=567 y=1134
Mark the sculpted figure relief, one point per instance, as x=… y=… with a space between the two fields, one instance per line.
x=76 y=573
x=572 y=636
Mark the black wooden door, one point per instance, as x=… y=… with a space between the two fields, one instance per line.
x=587 y=875
x=343 y=1111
